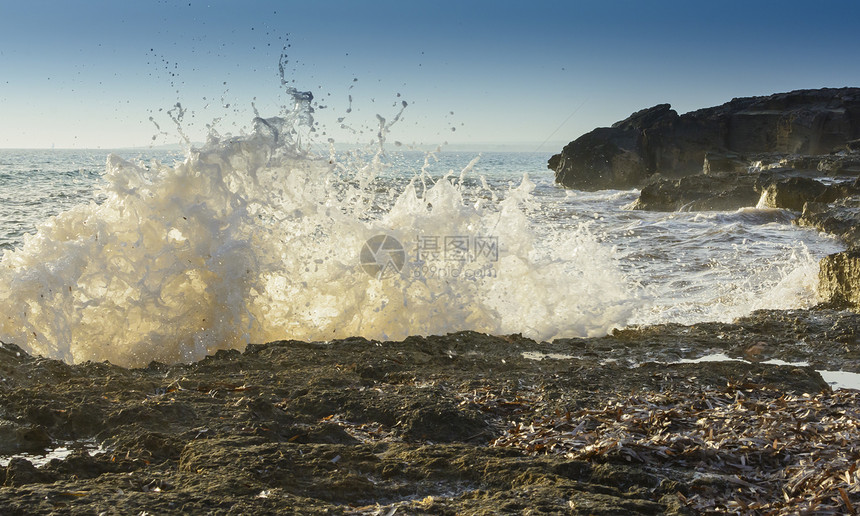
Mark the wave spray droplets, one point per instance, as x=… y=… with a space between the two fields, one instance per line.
x=252 y=239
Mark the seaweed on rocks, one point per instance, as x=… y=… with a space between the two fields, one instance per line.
x=465 y=423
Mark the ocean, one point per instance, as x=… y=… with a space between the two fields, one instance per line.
x=144 y=255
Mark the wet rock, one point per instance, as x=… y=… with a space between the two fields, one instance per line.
x=838 y=192
x=841 y=218
x=601 y=159
x=839 y=279
x=777 y=188
x=730 y=162
x=17 y=438
x=134 y=442
x=327 y=433
x=80 y=464
x=21 y=472
x=609 y=157
x=415 y=426
x=700 y=193
x=841 y=164
x=444 y=422
x=792 y=193
x=658 y=140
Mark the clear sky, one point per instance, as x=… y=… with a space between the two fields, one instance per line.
x=90 y=74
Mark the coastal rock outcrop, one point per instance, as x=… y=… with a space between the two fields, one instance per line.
x=784 y=188
x=660 y=141
x=701 y=192
x=839 y=279
x=795 y=192
x=840 y=218
x=797 y=151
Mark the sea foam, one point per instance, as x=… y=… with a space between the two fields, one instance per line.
x=254 y=239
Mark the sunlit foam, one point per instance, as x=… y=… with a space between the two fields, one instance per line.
x=735 y=284
x=251 y=239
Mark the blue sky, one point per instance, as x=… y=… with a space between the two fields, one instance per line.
x=90 y=74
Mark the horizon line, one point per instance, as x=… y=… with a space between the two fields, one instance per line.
x=521 y=146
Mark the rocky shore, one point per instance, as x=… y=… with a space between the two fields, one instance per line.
x=712 y=418
x=797 y=151
x=792 y=129
x=458 y=424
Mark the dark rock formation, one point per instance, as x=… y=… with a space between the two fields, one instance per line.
x=15 y=438
x=842 y=218
x=793 y=193
x=610 y=157
x=703 y=192
x=777 y=188
x=726 y=162
x=21 y=472
x=658 y=140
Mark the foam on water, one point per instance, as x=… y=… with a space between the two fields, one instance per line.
x=734 y=284
x=717 y=266
x=252 y=239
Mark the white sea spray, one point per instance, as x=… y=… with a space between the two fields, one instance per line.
x=253 y=239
